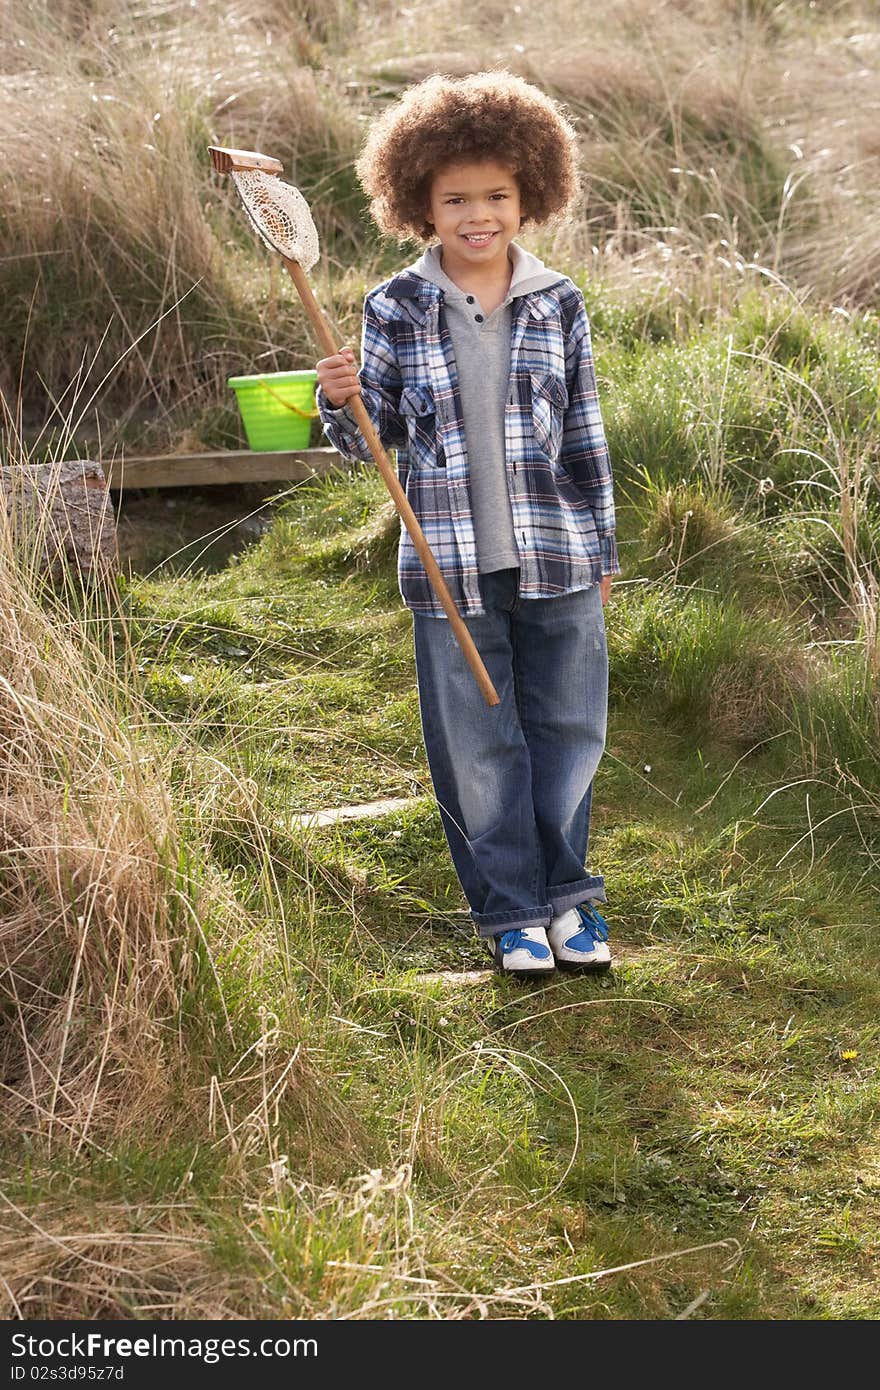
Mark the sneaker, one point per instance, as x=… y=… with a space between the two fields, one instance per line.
x=523 y=952
x=579 y=940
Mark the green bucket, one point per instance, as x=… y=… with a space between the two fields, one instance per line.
x=277 y=408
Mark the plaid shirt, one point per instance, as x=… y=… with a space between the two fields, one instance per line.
x=558 y=471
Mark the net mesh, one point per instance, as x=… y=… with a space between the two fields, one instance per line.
x=280 y=215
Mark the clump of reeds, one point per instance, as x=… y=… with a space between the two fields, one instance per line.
x=123 y=983
x=104 y=919
x=689 y=531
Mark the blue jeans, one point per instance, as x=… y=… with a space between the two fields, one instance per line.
x=514 y=782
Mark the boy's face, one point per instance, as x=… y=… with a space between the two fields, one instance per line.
x=475 y=211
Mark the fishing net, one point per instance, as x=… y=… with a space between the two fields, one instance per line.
x=280 y=215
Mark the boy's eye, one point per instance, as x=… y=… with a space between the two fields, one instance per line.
x=450 y=201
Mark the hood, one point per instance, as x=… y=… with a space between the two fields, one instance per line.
x=529 y=273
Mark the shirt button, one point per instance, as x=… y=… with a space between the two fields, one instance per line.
x=470 y=299
x=479 y=318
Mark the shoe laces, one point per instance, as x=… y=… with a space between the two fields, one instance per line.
x=593 y=922
x=516 y=937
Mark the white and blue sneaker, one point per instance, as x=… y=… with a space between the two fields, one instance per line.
x=579 y=940
x=523 y=952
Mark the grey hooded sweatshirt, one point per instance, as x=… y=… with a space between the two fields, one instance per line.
x=482 y=355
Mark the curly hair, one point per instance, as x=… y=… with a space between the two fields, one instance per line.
x=447 y=120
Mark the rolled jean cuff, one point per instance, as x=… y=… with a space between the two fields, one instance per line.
x=565 y=895
x=491 y=924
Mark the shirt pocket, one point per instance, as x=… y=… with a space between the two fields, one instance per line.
x=419 y=414
x=549 y=404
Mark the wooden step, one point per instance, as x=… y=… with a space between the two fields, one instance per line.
x=371 y=809
x=225 y=466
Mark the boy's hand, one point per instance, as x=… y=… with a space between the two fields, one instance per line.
x=337 y=377
x=605 y=588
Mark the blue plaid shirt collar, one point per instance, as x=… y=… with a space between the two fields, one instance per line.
x=418 y=295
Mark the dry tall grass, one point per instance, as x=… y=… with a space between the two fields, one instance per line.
x=714 y=134
x=120 y=249
x=103 y=921
x=714 y=137
x=128 y=1012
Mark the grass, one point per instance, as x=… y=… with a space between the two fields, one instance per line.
x=384 y=1122
x=255 y=1067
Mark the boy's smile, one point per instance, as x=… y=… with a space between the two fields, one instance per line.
x=475 y=211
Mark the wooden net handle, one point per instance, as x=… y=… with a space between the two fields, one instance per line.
x=410 y=520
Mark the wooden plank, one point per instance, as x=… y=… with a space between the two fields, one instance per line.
x=226 y=466
x=371 y=810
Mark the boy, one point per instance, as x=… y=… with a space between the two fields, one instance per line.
x=477 y=367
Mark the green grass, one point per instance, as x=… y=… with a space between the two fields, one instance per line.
x=495 y=1142
x=346 y=1113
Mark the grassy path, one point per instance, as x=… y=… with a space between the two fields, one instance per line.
x=499 y=1144
x=253 y=1063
